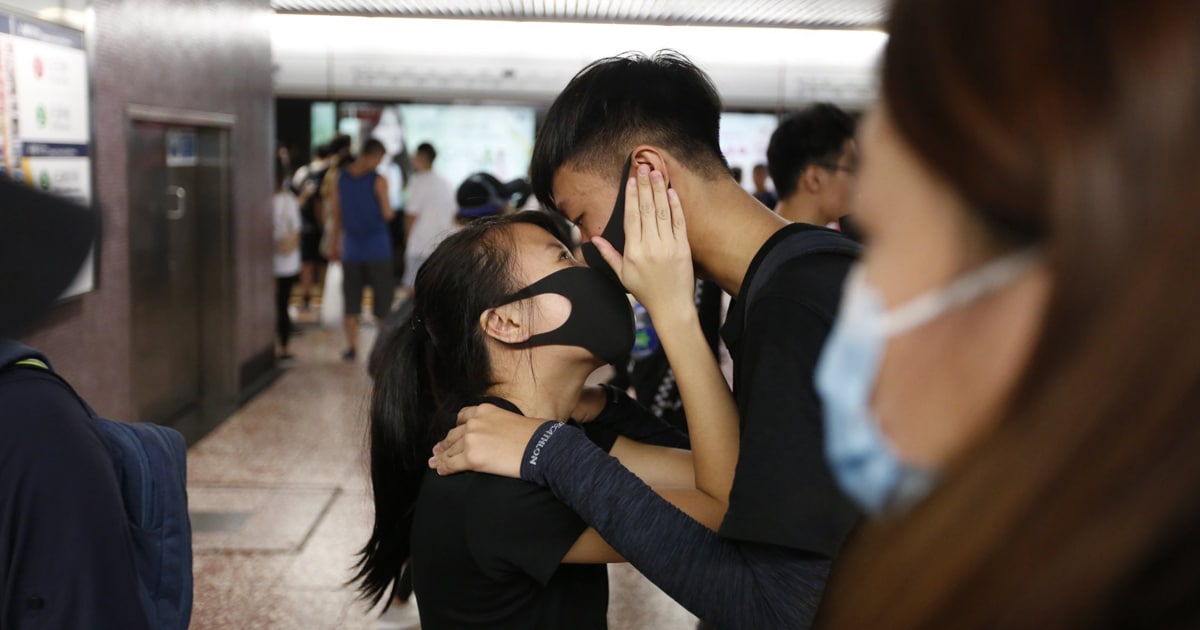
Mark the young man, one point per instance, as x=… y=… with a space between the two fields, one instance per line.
x=813 y=161
x=430 y=212
x=786 y=518
x=361 y=211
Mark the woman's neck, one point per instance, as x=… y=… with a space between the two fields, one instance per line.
x=551 y=395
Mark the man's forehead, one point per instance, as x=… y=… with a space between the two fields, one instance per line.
x=564 y=187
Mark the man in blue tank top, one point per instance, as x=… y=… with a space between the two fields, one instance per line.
x=362 y=240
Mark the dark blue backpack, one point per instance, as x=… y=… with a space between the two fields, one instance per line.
x=151 y=466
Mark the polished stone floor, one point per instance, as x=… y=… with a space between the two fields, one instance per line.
x=280 y=505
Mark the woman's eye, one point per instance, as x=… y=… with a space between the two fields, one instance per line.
x=565 y=255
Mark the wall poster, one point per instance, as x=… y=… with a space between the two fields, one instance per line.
x=45 y=122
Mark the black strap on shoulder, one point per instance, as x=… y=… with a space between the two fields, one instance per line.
x=16 y=355
x=802 y=243
x=13 y=354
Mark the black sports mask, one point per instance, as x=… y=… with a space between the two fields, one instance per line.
x=614 y=232
x=601 y=320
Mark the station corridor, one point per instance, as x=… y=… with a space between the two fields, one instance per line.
x=280 y=504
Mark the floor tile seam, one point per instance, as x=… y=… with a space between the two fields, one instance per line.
x=320 y=519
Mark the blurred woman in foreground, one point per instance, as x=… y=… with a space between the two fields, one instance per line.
x=1014 y=382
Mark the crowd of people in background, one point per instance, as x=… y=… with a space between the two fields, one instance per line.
x=807 y=178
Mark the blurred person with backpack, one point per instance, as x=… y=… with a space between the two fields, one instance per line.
x=307 y=181
x=78 y=548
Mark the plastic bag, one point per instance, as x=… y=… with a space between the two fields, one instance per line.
x=332 y=302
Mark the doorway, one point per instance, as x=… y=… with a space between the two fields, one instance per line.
x=180 y=256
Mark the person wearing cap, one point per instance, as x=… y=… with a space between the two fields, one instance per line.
x=66 y=556
x=480 y=195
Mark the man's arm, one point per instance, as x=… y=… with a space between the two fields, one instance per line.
x=655 y=451
x=416 y=204
x=334 y=206
x=667 y=534
x=385 y=203
x=409 y=220
x=725 y=582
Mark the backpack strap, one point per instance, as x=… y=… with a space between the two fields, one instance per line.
x=13 y=354
x=18 y=355
x=33 y=363
x=802 y=243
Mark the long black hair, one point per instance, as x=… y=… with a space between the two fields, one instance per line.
x=432 y=366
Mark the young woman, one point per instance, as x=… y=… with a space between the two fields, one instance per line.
x=504 y=314
x=1021 y=341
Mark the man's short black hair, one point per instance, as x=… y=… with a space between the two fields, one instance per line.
x=373 y=147
x=428 y=151
x=340 y=145
x=617 y=103
x=815 y=135
x=324 y=151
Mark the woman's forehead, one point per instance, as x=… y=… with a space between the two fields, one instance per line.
x=537 y=252
x=534 y=236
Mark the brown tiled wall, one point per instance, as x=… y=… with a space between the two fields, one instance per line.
x=204 y=55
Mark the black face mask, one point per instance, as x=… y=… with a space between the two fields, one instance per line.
x=614 y=232
x=601 y=320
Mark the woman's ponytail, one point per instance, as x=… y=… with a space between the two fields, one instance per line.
x=402 y=419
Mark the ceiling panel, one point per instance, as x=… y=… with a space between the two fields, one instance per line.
x=774 y=13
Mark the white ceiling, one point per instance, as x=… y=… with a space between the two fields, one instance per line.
x=462 y=60
x=774 y=13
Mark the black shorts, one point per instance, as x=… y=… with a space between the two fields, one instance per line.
x=310 y=246
x=378 y=273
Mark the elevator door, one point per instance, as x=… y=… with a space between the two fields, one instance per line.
x=178 y=187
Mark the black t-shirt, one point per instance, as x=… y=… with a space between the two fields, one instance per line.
x=66 y=557
x=486 y=553
x=783 y=492
x=308 y=212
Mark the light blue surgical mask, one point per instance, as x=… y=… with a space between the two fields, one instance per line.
x=864 y=463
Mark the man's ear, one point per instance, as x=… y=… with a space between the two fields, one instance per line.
x=505 y=324
x=811 y=180
x=652 y=155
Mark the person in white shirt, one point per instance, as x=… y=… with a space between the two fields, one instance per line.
x=430 y=212
x=287 y=254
